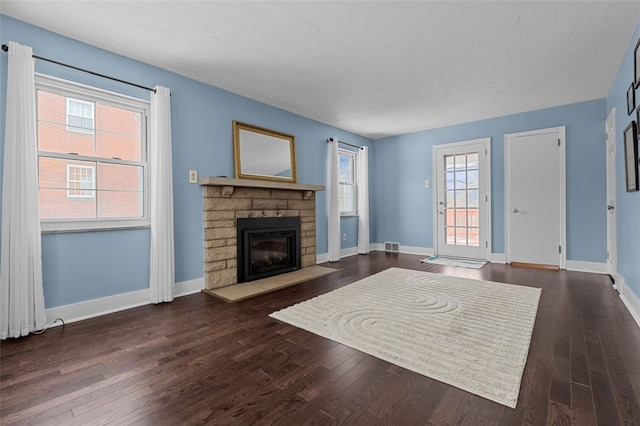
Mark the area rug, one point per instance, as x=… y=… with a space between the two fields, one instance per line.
x=454 y=261
x=467 y=333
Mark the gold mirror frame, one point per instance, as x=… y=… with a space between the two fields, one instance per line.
x=263 y=154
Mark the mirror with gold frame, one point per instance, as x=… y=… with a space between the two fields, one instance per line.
x=263 y=154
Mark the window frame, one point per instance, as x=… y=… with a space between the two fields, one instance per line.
x=87 y=93
x=353 y=156
x=78 y=129
x=93 y=182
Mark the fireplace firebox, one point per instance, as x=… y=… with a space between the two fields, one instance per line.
x=267 y=246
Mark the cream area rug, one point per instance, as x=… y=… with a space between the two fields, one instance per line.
x=467 y=333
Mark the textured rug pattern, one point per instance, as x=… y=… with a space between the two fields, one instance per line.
x=467 y=333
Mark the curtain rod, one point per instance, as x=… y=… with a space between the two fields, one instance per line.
x=344 y=143
x=6 y=49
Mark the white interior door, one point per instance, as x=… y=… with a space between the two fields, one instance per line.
x=462 y=200
x=534 y=176
x=610 y=128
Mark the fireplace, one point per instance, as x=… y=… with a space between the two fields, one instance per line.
x=267 y=246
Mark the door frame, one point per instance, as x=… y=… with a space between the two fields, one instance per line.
x=562 y=215
x=487 y=179
x=612 y=226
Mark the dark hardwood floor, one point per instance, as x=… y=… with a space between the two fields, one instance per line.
x=200 y=360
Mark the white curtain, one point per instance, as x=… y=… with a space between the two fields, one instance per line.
x=333 y=200
x=362 y=168
x=162 y=268
x=21 y=292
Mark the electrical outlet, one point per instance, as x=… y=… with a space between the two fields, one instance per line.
x=427 y=184
x=344 y=237
x=193 y=176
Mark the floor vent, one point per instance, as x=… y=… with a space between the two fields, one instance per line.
x=392 y=247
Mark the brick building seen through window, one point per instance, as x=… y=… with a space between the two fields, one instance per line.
x=91 y=163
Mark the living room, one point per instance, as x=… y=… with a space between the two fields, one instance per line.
x=89 y=274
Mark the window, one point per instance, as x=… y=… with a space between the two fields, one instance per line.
x=347 y=182
x=92 y=157
x=81 y=181
x=79 y=116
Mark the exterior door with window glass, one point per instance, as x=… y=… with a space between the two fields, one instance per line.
x=461 y=209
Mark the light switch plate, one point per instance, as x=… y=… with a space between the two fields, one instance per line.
x=193 y=176
x=427 y=184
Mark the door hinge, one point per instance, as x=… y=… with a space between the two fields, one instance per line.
x=485 y=151
x=558 y=141
x=560 y=249
x=608 y=255
x=486 y=244
x=486 y=198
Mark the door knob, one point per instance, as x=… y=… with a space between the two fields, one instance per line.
x=440 y=212
x=514 y=210
x=610 y=207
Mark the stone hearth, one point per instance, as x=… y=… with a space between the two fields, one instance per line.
x=225 y=200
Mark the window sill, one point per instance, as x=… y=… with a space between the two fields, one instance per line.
x=348 y=215
x=68 y=226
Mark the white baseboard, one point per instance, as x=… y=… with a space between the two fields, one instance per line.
x=629 y=298
x=186 y=288
x=498 y=258
x=346 y=252
x=593 y=267
x=119 y=302
x=422 y=251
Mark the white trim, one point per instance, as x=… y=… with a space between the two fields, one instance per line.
x=593 y=267
x=562 y=193
x=116 y=303
x=350 y=251
x=185 y=288
x=422 y=251
x=630 y=300
x=498 y=258
x=97 y=307
x=71 y=225
x=345 y=252
x=486 y=187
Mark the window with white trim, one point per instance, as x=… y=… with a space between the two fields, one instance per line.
x=347 y=182
x=81 y=181
x=92 y=157
x=80 y=116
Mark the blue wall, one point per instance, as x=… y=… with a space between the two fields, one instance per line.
x=628 y=203
x=85 y=266
x=404 y=207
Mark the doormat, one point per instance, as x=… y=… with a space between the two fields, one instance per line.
x=455 y=261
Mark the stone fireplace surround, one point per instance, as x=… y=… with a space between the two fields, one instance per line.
x=225 y=200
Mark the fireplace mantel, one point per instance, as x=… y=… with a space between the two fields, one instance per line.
x=249 y=183
x=225 y=200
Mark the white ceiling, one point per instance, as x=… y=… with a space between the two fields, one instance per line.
x=374 y=68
